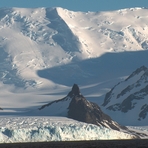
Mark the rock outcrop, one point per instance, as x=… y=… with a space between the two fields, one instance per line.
x=82 y=110
x=78 y=108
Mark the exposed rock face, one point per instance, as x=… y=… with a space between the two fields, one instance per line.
x=82 y=110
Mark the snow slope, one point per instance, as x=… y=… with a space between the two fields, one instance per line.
x=32 y=129
x=127 y=101
x=44 y=51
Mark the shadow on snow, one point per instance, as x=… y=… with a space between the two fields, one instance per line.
x=95 y=70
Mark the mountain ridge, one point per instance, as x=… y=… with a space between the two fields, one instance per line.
x=130 y=95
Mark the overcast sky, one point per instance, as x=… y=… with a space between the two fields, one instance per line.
x=77 y=5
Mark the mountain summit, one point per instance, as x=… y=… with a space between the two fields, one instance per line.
x=75 y=91
x=78 y=108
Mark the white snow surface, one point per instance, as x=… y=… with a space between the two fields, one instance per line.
x=44 y=51
x=35 y=129
x=59 y=108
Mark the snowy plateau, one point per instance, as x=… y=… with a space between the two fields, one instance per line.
x=44 y=51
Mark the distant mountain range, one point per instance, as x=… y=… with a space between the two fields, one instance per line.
x=43 y=51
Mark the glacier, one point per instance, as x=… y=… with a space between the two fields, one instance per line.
x=39 y=129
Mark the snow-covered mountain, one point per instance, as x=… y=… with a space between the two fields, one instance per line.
x=37 y=39
x=129 y=98
x=77 y=107
x=44 y=51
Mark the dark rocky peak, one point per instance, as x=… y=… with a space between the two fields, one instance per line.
x=137 y=71
x=82 y=110
x=75 y=91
